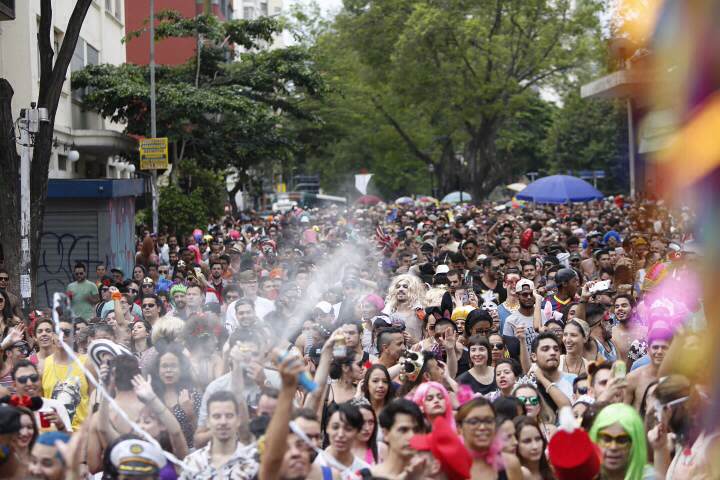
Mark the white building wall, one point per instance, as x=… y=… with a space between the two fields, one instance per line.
x=251 y=9
x=102 y=29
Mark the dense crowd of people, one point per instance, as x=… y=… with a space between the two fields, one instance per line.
x=385 y=342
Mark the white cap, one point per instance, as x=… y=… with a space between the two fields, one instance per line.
x=324 y=307
x=137 y=458
x=523 y=282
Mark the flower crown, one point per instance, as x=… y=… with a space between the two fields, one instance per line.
x=528 y=379
x=205 y=330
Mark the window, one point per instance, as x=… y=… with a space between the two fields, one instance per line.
x=108 y=5
x=7 y=9
x=264 y=9
x=77 y=63
x=56 y=43
x=118 y=9
x=84 y=55
x=93 y=56
x=62 y=163
x=248 y=13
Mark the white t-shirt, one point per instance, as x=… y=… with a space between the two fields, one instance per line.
x=263 y=306
x=516 y=319
x=349 y=473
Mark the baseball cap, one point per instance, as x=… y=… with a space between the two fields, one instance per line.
x=324 y=307
x=442 y=269
x=564 y=275
x=447 y=448
x=137 y=458
x=523 y=282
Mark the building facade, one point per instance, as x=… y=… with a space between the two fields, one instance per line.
x=100 y=144
x=171 y=51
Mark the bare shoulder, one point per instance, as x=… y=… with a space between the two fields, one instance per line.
x=635 y=375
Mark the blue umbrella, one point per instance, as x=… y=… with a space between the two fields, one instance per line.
x=457 y=197
x=559 y=189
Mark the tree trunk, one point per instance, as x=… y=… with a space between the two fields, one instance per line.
x=481 y=152
x=9 y=189
x=52 y=77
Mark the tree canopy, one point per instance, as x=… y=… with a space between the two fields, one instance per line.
x=218 y=112
x=451 y=83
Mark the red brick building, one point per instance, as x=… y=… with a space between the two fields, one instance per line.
x=173 y=51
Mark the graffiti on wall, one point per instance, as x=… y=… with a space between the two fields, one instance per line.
x=60 y=252
x=122 y=233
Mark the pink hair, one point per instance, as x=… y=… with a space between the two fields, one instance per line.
x=376 y=301
x=418 y=397
x=196 y=250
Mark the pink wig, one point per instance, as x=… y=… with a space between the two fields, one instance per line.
x=196 y=251
x=418 y=397
x=375 y=301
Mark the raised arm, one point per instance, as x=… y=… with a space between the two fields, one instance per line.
x=144 y=391
x=314 y=400
x=278 y=430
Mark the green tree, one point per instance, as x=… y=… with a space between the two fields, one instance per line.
x=456 y=80
x=588 y=135
x=197 y=198
x=220 y=113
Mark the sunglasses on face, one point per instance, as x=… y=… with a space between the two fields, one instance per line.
x=149 y=305
x=534 y=401
x=622 y=440
x=28 y=378
x=66 y=331
x=475 y=421
x=582 y=390
x=498 y=346
x=133 y=290
x=485 y=331
x=4 y=279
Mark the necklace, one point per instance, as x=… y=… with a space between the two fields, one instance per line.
x=511 y=306
x=569 y=370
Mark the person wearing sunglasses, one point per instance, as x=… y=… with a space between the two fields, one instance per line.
x=84 y=293
x=52 y=415
x=528 y=394
x=580 y=386
x=13 y=303
x=619 y=433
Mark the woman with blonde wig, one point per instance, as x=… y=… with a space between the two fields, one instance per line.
x=405 y=300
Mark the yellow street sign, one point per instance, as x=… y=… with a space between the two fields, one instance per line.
x=154 y=153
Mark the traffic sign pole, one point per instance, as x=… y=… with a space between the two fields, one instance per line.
x=153 y=118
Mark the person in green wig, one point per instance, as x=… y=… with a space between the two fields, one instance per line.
x=619 y=432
